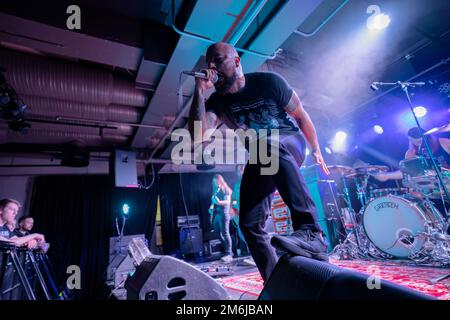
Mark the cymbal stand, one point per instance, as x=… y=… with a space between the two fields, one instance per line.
x=361 y=191
x=351 y=212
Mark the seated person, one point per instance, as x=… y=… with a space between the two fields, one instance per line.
x=440 y=147
x=26 y=223
x=8 y=213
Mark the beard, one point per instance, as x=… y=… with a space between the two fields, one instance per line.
x=227 y=83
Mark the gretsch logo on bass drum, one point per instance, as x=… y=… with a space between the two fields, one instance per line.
x=386 y=204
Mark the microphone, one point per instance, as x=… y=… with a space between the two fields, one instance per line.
x=376 y=85
x=202 y=75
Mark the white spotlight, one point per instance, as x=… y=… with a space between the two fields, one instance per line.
x=378 y=129
x=328 y=150
x=340 y=136
x=307 y=152
x=338 y=143
x=420 y=111
x=378 y=20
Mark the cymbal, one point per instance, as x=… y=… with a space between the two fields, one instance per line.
x=341 y=170
x=371 y=169
x=444 y=128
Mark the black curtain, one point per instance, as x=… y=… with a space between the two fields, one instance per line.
x=76 y=214
x=197 y=188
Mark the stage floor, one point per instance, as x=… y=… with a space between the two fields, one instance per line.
x=243 y=282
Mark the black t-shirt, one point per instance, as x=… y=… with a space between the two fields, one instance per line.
x=5 y=232
x=439 y=153
x=19 y=234
x=259 y=105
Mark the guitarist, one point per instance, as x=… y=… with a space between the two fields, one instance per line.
x=235 y=202
x=220 y=213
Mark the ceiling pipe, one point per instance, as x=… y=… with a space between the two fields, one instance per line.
x=74 y=128
x=106 y=123
x=35 y=135
x=29 y=165
x=41 y=106
x=207 y=40
x=237 y=20
x=161 y=161
x=67 y=123
x=244 y=21
x=324 y=22
x=36 y=76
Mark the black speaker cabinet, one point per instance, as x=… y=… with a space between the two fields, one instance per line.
x=168 y=278
x=191 y=240
x=300 y=278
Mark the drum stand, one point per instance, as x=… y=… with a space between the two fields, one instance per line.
x=361 y=191
x=348 y=246
x=436 y=280
x=352 y=214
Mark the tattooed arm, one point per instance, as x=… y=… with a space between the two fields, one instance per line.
x=197 y=113
x=295 y=109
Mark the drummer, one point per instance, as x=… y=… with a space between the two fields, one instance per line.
x=440 y=148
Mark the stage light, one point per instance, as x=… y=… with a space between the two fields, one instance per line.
x=338 y=143
x=378 y=20
x=125 y=209
x=340 y=136
x=307 y=152
x=378 y=129
x=328 y=150
x=420 y=111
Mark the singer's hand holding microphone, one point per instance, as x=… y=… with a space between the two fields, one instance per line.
x=204 y=79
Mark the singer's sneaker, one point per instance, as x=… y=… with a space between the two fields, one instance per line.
x=305 y=243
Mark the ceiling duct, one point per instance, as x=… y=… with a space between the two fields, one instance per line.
x=41 y=77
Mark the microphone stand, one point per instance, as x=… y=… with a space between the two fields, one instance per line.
x=404 y=86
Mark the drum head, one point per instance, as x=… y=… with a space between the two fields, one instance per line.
x=395 y=225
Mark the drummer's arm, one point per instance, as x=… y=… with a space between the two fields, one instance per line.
x=411 y=152
x=394 y=175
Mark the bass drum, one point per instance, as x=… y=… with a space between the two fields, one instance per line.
x=397 y=226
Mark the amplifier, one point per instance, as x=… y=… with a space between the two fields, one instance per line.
x=191 y=240
x=188 y=221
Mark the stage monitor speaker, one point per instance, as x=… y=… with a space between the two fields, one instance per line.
x=124 y=168
x=168 y=278
x=123 y=270
x=118 y=250
x=300 y=278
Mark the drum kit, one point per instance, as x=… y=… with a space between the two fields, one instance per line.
x=394 y=223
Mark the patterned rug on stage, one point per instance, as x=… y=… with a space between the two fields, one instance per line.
x=416 y=278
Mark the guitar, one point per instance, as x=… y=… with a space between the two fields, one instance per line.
x=234 y=212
